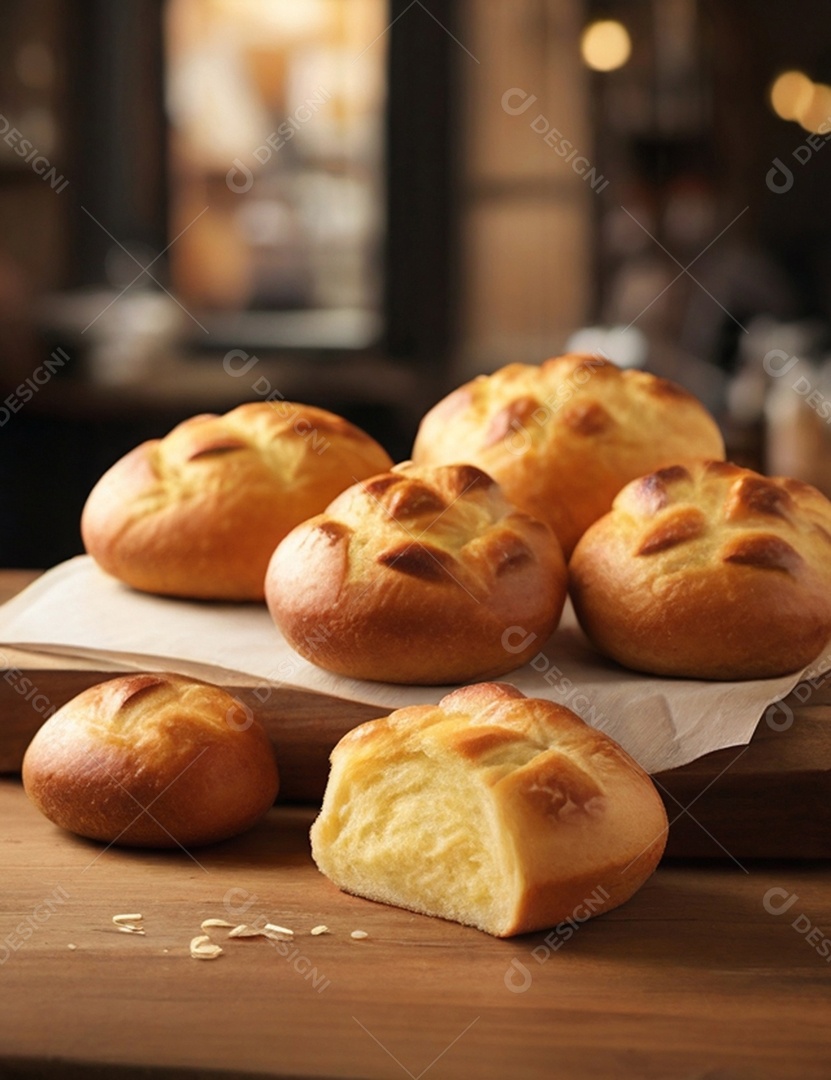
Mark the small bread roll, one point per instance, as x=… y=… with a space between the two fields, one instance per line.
x=492 y=809
x=418 y=576
x=152 y=761
x=198 y=513
x=708 y=571
x=562 y=438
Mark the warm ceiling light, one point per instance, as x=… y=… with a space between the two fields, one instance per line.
x=791 y=95
x=605 y=45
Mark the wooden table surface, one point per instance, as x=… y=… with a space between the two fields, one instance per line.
x=14 y=581
x=711 y=971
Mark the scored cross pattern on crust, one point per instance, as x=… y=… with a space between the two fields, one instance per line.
x=710 y=571
x=438 y=556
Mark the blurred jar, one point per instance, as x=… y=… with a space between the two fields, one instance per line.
x=798 y=424
x=136 y=338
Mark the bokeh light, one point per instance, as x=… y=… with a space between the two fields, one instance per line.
x=605 y=45
x=790 y=94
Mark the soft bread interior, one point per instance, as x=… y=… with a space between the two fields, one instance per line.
x=490 y=809
x=420 y=832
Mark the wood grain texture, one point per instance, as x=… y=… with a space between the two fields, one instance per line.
x=767 y=799
x=693 y=977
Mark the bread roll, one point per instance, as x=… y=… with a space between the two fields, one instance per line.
x=152 y=761
x=418 y=576
x=708 y=571
x=198 y=513
x=562 y=438
x=492 y=809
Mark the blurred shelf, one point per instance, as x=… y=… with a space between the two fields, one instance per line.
x=202 y=384
x=85 y=314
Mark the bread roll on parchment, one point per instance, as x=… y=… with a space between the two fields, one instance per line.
x=198 y=513
x=562 y=438
x=418 y=576
x=708 y=571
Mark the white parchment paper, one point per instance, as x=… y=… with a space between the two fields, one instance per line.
x=76 y=610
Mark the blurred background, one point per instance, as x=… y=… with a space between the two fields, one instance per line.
x=361 y=203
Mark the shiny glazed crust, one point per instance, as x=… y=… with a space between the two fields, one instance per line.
x=418 y=576
x=563 y=438
x=198 y=513
x=492 y=809
x=708 y=571
x=152 y=761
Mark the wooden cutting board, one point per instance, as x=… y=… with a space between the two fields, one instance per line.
x=771 y=798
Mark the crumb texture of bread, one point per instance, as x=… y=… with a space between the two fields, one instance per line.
x=419 y=575
x=152 y=760
x=563 y=437
x=198 y=513
x=708 y=571
x=490 y=809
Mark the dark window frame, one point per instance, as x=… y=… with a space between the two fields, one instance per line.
x=117 y=153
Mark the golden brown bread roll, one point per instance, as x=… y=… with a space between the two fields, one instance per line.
x=708 y=571
x=492 y=809
x=198 y=513
x=562 y=438
x=417 y=576
x=152 y=761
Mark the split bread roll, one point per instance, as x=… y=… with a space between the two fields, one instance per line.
x=708 y=571
x=152 y=761
x=418 y=576
x=562 y=438
x=198 y=513
x=491 y=809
